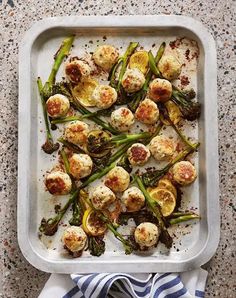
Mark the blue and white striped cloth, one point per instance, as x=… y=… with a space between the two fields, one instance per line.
x=121 y=285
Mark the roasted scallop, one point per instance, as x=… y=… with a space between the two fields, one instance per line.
x=102 y=197
x=80 y=165
x=160 y=90
x=105 y=56
x=57 y=105
x=58 y=183
x=104 y=96
x=133 y=80
x=133 y=199
x=147 y=112
x=122 y=119
x=162 y=148
x=146 y=235
x=170 y=67
x=184 y=172
x=76 y=132
x=76 y=70
x=74 y=239
x=117 y=179
x=138 y=154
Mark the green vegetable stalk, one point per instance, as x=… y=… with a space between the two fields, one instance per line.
x=65 y=161
x=71 y=146
x=190 y=110
x=153 y=65
x=77 y=213
x=165 y=114
x=182 y=218
x=102 y=143
x=112 y=74
x=123 y=61
x=58 y=59
x=69 y=119
x=46 y=91
x=151 y=178
x=96 y=245
x=50 y=226
x=95 y=119
x=49 y=146
x=140 y=95
x=146 y=141
x=187 y=94
x=105 y=112
x=155 y=208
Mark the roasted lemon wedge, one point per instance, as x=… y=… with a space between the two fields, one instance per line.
x=165 y=199
x=139 y=60
x=92 y=224
x=83 y=92
x=165 y=183
x=173 y=111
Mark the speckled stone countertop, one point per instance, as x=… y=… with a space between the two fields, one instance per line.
x=17 y=277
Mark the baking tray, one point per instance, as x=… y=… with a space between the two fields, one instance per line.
x=35 y=57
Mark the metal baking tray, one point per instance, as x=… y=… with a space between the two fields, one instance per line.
x=193 y=248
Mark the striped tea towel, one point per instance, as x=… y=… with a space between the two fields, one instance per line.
x=121 y=285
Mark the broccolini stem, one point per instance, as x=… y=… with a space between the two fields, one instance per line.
x=48 y=147
x=65 y=161
x=159 y=54
x=119 y=153
x=182 y=136
x=97 y=175
x=156 y=133
x=94 y=118
x=123 y=139
x=45 y=115
x=68 y=119
x=50 y=226
x=112 y=74
x=71 y=146
x=180 y=213
x=166 y=116
x=153 y=66
x=183 y=218
x=125 y=59
x=126 y=244
x=155 y=208
x=60 y=55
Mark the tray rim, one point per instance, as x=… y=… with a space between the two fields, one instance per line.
x=212 y=175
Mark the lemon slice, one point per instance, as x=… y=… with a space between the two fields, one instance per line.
x=165 y=183
x=92 y=224
x=173 y=111
x=165 y=199
x=139 y=60
x=83 y=92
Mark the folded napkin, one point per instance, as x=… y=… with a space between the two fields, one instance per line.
x=120 y=285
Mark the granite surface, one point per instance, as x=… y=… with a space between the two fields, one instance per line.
x=17 y=277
